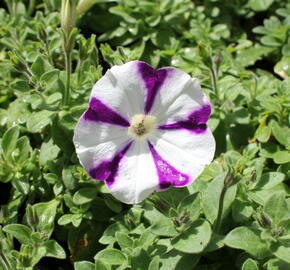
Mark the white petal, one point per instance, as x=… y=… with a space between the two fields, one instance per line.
x=96 y=141
x=185 y=150
x=122 y=89
x=136 y=177
x=179 y=95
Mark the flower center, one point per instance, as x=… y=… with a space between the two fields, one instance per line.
x=141 y=125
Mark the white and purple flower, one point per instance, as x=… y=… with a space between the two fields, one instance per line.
x=145 y=130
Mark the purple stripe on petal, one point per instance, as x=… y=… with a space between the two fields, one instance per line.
x=153 y=79
x=107 y=170
x=99 y=112
x=195 y=122
x=201 y=115
x=167 y=174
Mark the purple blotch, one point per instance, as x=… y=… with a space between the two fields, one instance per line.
x=195 y=122
x=99 y=112
x=153 y=79
x=107 y=170
x=167 y=174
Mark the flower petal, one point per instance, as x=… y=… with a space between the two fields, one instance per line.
x=186 y=151
x=99 y=112
x=153 y=80
x=107 y=169
x=96 y=142
x=178 y=98
x=167 y=174
x=196 y=121
x=122 y=89
x=136 y=177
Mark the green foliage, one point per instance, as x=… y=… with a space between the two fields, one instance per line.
x=238 y=208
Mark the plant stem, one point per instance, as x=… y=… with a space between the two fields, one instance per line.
x=220 y=210
x=67 y=54
x=5 y=261
x=9 y=6
x=214 y=82
x=31 y=7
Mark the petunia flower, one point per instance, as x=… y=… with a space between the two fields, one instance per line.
x=144 y=131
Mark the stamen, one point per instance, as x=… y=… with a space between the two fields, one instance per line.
x=141 y=125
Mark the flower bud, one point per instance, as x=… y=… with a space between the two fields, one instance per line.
x=31 y=216
x=217 y=59
x=84 y=5
x=68 y=16
x=263 y=219
x=229 y=179
x=276 y=232
x=205 y=54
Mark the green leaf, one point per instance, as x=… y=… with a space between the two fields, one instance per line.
x=281 y=133
x=249 y=56
x=65 y=219
x=48 y=151
x=146 y=239
x=68 y=177
x=250 y=264
x=163 y=227
x=23 y=145
x=113 y=204
x=277 y=264
x=269 y=180
x=39 y=120
x=281 y=251
x=84 y=266
x=216 y=242
x=154 y=264
x=247 y=239
x=140 y=259
x=269 y=103
x=194 y=239
x=268 y=150
x=20 y=85
x=177 y=260
x=240 y=115
x=263 y=133
x=190 y=205
x=9 y=141
x=230 y=87
x=276 y=207
x=45 y=213
x=53 y=249
x=212 y=196
x=281 y=157
x=241 y=211
x=271 y=41
x=51 y=178
x=85 y=195
x=99 y=265
x=260 y=5
x=173 y=196
x=38 y=67
x=50 y=76
x=163 y=38
x=109 y=234
x=111 y=256
x=21 y=232
x=76 y=219
x=286 y=50
x=282 y=68
x=21 y=184
x=262 y=195
x=124 y=240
